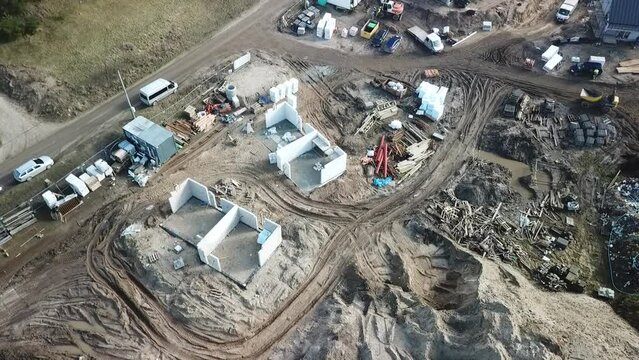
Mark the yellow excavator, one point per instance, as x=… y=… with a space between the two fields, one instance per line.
x=594 y=99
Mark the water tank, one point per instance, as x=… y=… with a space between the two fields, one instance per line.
x=231 y=91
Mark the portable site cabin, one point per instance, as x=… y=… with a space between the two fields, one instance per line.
x=151 y=139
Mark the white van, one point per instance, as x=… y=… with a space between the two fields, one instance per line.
x=157 y=90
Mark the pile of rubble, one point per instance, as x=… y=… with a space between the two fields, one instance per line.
x=559 y=277
x=621 y=219
x=482 y=230
x=487 y=230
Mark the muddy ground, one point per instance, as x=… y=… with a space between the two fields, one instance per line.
x=361 y=273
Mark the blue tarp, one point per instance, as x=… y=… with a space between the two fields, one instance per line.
x=382 y=182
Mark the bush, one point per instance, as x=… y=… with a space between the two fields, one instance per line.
x=14 y=20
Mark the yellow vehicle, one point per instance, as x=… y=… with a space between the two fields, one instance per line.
x=595 y=99
x=371 y=27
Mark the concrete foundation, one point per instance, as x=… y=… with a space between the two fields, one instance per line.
x=227 y=237
x=294 y=158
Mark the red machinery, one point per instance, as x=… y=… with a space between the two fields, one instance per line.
x=391 y=8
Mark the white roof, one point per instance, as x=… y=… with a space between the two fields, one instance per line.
x=154 y=86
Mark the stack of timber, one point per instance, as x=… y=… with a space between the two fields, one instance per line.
x=182 y=131
x=628 y=67
x=418 y=153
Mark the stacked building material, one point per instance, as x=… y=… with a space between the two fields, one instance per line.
x=628 y=67
x=181 y=130
x=204 y=123
x=418 y=153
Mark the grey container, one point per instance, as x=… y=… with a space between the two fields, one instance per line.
x=590 y=141
x=152 y=139
x=590 y=132
x=600 y=141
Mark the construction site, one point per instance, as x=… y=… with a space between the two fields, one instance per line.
x=447 y=194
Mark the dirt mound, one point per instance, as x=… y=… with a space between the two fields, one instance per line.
x=366 y=319
x=38 y=93
x=485 y=184
x=510 y=140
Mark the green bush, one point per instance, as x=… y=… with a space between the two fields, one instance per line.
x=15 y=21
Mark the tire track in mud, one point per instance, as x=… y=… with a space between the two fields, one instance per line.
x=339 y=249
x=292 y=201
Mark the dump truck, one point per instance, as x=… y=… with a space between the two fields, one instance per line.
x=432 y=41
x=565 y=10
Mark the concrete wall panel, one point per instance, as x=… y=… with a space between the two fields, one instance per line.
x=295 y=149
x=215 y=236
x=248 y=218
x=335 y=168
x=241 y=61
x=187 y=189
x=271 y=244
x=226 y=205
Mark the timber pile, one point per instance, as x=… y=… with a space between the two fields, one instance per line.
x=628 y=67
x=481 y=229
x=184 y=130
x=418 y=153
x=205 y=123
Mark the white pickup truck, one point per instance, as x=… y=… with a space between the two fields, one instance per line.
x=565 y=10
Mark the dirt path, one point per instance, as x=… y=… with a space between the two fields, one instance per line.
x=139 y=320
x=19 y=129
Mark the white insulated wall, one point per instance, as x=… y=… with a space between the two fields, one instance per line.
x=283 y=111
x=187 y=189
x=215 y=236
x=271 y=243
x=293 y=150
x=334 y=168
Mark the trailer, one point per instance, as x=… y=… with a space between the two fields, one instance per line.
x=342 y=4
x=393 y=87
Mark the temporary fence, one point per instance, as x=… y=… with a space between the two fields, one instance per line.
x=23 y=215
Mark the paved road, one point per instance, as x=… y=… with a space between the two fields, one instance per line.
x=115 y=109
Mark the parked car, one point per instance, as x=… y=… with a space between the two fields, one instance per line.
x=379 y=38
x=587 y=68
x=392 y=44
x=31 y=168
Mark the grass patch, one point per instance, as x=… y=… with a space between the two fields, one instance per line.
x=83 y=43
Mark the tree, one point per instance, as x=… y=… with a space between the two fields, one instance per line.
x=15 y=20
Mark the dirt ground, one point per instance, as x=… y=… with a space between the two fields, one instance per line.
x=362 y=272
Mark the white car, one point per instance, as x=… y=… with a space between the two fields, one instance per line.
x=31 y=168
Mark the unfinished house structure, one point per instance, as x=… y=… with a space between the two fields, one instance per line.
x=227 y=236
x=304 y=155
